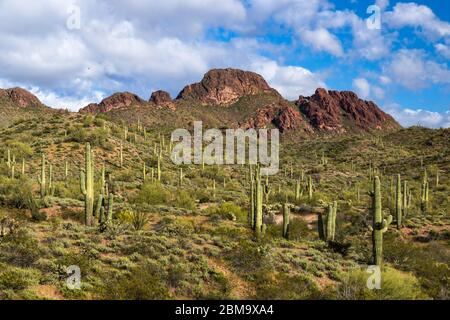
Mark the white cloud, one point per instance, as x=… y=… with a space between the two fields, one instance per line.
x=362 y=87
x=443 y=50
x=413 y=15
x=383 y=4
x=322 y=40
x=410 y=117
x=412 y=69
x=66 y=102
x=290 y=81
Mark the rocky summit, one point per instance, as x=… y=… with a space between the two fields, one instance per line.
x=116 y=101
x=343 y=111
x=225 y=86
x=20 y=97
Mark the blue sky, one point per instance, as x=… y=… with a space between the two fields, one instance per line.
x=73 y=52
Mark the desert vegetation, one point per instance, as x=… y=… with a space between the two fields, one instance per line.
x=103 y=195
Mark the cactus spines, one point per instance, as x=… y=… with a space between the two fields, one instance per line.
x=379 y=225
x=398 y=202
x=42 y=179
x=286 y=213
x=87 y=185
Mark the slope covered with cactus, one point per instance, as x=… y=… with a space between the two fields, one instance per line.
x=140 y=227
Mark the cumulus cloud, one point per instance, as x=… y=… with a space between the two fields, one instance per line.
x=410 y=117
x=362 y=87
x=417 y=16
x=443 y=50
x=322 y=40
x=412 y=69
x=290 y=81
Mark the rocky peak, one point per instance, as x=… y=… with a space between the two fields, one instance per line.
x=20 y=97
x=162 y=99
x=116 y=101
x=343 y=111
x=225 y=86
x=280 y=115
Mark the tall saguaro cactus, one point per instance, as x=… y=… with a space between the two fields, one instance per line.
x=258 y=203
x=286 y=214
x=379 y=225
x=331 y=222
x=398 y=202
x=424 y=193
x=42 y=179
x=310 y=188
x=87 y=185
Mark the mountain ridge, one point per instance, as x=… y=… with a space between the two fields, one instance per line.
x=325 y=111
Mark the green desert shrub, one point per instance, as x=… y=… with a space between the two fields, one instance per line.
x=152 y=194
x=142 y=283
x=229 y=211
x=19 y=248
x=16 y=193
x=395 y=285
x=184 y=200
x=18 y=279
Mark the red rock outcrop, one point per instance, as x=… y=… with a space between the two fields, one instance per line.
x=116 y=101
x=343 y=111
x=282 y=116
x=20 y=97
x=162 y=99
x=225 y=86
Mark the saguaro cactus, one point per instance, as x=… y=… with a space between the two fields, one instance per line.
x=297 y=190
x=286 y=213
x=424 y=193
x=379 y=225
x=42 y=179
x=251 y=214
x=266 y=190
x=331 y=222
x=310 y=188
x=405 y=199
x=258 y=203
x=87 y=186
x=398 y=202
